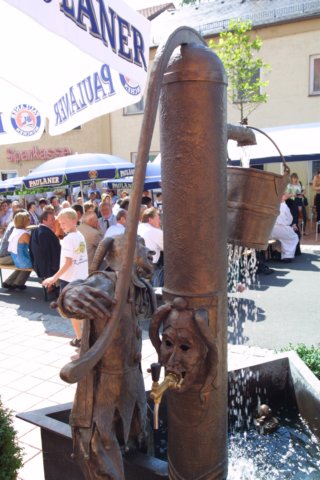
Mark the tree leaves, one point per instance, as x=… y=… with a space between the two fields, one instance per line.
x=238 y=51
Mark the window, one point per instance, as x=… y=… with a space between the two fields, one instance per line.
x=5 y=174
x=134 y=109
x=314 y=79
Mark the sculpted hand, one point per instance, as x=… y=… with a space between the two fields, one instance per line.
x=86 y=302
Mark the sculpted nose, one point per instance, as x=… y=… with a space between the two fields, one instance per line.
x=174 y=359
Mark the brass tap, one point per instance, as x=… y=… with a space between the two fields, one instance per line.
x=171 y=380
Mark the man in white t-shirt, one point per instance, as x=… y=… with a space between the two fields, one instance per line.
x=73 y=261
x=150 y=230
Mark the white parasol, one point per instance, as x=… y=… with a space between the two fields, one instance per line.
x=69 y=62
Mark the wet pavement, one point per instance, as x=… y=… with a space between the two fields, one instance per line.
x=34 y=340
x=281 y=308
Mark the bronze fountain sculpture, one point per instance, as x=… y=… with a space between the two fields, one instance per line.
x=109 y=412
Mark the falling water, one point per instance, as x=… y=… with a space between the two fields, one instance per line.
x=245 y=156
x=242 y=266
x=292 y=452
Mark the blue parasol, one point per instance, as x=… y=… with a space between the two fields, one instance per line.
x=83 y=167
x=152 y=179
x=11 y=184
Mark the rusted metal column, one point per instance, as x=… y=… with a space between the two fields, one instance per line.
x=193 y=152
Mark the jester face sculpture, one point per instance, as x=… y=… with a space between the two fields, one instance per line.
x=186 y=347
x=182 y=350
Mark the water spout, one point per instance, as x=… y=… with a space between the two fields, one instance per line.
x=242 y=135
x=171 y=381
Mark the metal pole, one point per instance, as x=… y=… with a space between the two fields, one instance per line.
x=193 y=153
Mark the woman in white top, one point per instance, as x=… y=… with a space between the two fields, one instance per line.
x=19 y=241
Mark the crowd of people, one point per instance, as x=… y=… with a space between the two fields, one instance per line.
x=58 y=240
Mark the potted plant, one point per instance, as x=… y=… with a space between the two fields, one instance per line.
x=10 y=452
x=309 y=354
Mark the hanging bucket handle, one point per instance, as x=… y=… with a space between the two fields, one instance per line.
x=285 y=166
x=279 y=186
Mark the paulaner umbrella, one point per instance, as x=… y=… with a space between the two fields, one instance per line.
x=78 y=168
x=11 y=184
x=152 y=179
x=69 y=62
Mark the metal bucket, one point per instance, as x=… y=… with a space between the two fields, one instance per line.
x=253 y=205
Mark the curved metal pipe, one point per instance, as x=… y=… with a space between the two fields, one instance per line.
x=104 y=246
x=74 y=371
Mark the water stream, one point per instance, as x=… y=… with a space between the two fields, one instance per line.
x=242 y=267
x=292 y=452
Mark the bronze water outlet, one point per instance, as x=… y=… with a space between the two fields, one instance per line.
x=171 y=381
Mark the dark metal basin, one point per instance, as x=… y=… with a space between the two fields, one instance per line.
x=286 y=380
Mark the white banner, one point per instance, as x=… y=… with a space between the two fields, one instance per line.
x=82 y=62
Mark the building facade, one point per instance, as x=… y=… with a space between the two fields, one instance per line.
x=20 y=159
x=290 y=31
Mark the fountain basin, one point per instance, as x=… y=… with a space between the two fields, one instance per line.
x=284 y=381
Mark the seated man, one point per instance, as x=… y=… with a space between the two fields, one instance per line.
x=45 y=246
x=120 y=227
x=285 y=232
x=107 y=217
x=7 y=214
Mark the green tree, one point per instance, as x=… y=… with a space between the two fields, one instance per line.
x=237 y=50
x=189 y=2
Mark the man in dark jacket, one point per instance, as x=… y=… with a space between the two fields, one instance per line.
x=45 y=246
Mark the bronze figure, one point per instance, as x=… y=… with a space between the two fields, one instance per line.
x=109 y=411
